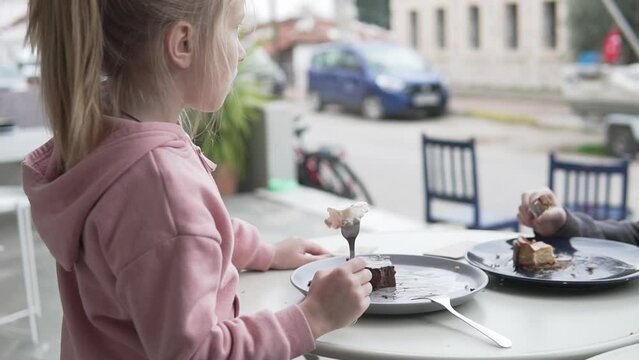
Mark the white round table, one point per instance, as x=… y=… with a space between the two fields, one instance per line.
x=542 y=323
x=625 y=353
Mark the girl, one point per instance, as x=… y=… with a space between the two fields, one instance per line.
x=147 y=255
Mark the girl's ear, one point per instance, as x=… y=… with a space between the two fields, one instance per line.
x=179 y=44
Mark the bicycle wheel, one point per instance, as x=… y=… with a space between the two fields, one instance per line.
x=329 y=173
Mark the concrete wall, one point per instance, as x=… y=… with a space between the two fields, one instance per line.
x=531 y=66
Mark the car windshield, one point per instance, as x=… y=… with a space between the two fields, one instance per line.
x=394 y=59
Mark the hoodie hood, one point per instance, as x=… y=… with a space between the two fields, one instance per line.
x=62 y=201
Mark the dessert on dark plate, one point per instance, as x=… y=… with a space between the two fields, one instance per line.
x=528 y=253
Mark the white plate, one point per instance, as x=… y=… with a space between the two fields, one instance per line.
x=417 y=276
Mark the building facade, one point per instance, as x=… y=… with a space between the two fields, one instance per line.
x=501 y=44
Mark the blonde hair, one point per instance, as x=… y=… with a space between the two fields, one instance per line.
x=94 y=55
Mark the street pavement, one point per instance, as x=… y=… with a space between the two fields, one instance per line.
x=549 y=111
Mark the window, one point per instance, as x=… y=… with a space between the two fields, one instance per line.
x=474 y=27
x=373 y=12
x=348 y=61
x=394 y=59
x=441 y=28
x=550 y=24
x=327 y=59
x=319 y=60
x=512 y=35
x=414 y=29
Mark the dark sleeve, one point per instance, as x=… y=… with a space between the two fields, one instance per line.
x=579 y=224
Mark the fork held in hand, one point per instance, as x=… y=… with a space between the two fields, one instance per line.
x=350 y=232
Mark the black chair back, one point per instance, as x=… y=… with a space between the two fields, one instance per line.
x=450 y=175
x=597 y=189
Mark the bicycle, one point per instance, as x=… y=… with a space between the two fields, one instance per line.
x=325 y=169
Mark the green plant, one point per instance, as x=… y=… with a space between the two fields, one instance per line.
x=224 y=136
x=590 y=149
x=593 y=149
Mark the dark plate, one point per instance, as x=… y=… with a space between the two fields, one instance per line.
x=584 y=262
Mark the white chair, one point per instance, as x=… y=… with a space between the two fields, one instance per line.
x=13 y=199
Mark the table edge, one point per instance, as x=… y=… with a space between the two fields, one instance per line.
x=583 y=353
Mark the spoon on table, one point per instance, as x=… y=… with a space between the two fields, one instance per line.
x=444 y=301
x=350 y=232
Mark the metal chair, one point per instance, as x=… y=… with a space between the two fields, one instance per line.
x=596 y=188
x=450 y=175
x=13 y=199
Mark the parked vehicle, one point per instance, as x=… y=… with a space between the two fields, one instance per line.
x=379 y=78
x=622 y=134
x=595 y=90
x=607 y=94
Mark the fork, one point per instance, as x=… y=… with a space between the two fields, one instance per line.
x=444 y=301
x=350 y=232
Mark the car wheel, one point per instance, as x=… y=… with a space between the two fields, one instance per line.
x=315 y=101
x=372 y=108
x=621 y=141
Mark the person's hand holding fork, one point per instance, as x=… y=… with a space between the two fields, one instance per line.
x=337 y=297
x=540 y=210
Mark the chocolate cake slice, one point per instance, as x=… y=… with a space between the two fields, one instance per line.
x=383 y=271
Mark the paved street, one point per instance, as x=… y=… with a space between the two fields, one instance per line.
x=511 y=158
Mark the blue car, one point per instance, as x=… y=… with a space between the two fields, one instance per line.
x=380 y=79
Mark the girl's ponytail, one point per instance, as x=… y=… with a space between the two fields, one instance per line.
x=68 y=36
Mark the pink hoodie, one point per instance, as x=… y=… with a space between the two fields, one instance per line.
x=148 y=256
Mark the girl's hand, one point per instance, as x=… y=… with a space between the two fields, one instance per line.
x=294 y=252
x=337 y=297
x=549 y=221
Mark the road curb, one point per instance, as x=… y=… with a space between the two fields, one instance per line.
x=502 y=117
